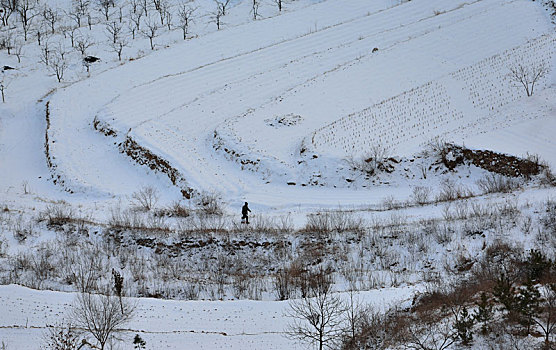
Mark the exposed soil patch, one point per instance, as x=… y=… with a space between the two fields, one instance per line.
x=144 y=156
x=503 y=164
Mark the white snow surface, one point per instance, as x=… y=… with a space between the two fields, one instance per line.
x=438 y=70
x=247 y=109
x=168 y=324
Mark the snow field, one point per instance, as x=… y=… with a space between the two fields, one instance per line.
x=175 y=114
x=339 y=92
x=167 y=324
x=430 y=111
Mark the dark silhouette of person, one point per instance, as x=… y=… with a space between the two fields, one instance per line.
x=244 y=216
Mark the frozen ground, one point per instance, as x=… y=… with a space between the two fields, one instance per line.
x=196 y=114
x=245 y=110
x=170 y=324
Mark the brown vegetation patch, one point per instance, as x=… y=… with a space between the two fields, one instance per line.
x=503 y=164
x=143 y=156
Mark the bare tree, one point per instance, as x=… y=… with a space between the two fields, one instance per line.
x=104 y=8
x=169 y=17
x=316 y=318
x=121 y=12
x=5 y=81
x=6 y=40
x=71 y=32
x=354 y=317
x=255 y=8
x=151 y=30
x=156 y=4
x=546 y=317
x=280 y=4
x=163 y=7
x=51 y=16
x=118 y=46
x=145 y=7
x=528 y=75
x=8 y=8
x=222 y=5
x=135 y=22
x=216 y=17
x=145 y=198
x=135 y=5
x=18 y=49
x=58 y=64
x=114 y=30
x=185 y=14
x=61 y=48
x=82 y=43
x=26 y=11
x=45 y=51
x=79 y=10
x=100 y=316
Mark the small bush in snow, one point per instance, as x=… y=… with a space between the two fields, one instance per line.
x=210 y=203
x=370 y=162
x=61 y=337
x=421 y=194
x=494 y=183
x=57 y=214
x=450 y=191
x=146 y=198
x=333 y=221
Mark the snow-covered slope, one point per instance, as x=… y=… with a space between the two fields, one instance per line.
x=440 y=68
x=169 y=324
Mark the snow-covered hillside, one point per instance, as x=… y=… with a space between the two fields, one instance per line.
x=383 y=142
x=198 y=110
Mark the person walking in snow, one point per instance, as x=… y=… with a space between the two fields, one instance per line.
x=244 y=216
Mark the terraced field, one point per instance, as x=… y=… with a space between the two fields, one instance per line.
x=391 y=73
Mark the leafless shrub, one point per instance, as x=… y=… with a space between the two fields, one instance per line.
x=495 y=183
x=192 y=291
x=421 y=194
x=210 y=203
x=367 y=328
x=371 y=162
x=318 y=223
x=146 y=198
x=178 y=210
x=390 y=203
x=443 y=235
x=547 y=177
x=505 y=337
x=157 y=223
x=206 y=224
x=61 y=337
x=450 y=191
x=283 y=284
x=261 y=224
x=57 y=215
x=22 y=229
x=333 y=221
x=241 y=283
x=426 y=330
x=441 y=149
x=86 y=271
